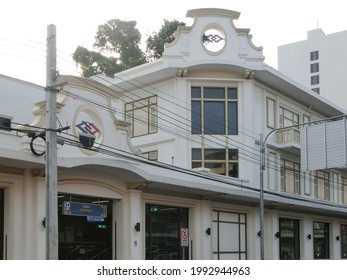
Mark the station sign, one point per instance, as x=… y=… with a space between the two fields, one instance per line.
x=84 y=209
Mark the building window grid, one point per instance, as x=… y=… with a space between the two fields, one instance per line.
x=321 y=183
x=219 y=161
x=344 y=189
x=219 y=252
x=316 y=90
x=315 y=80
x=142 y=114
x=321 y=240
x=343 y=238
x=290 y=177
x=289 y=239
x=288 y=117
x=207 y=124
x=314 y=67
x=314 y=55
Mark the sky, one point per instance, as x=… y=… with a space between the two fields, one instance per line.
x=23 y=26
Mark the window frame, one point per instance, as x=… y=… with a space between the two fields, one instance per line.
x=282 y=116
x=314 y=55
x=322 y=191
x=147 y=106
x=270 y=112
x=285 y=171
x=226 y=218
x=201 y=97
x=225 y=158
x=318 y=240
x=285 y=229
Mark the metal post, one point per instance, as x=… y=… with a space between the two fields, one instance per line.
x=261 y=196
x=51 y=149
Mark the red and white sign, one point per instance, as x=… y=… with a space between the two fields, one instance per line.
x=184 y=237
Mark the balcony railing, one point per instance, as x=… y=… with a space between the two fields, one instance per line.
x=288 y=136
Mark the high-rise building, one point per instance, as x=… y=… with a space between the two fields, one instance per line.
x=319 y=63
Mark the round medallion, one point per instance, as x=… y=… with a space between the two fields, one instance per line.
x=213 y=40
x=88 y=127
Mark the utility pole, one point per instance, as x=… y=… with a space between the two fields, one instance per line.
x=51 y=178
x=261 y=196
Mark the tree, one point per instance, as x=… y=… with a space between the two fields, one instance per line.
x=156 y=42
x=122 y=40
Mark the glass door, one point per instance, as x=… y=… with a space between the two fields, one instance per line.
x=166 y=233
x=2 y=224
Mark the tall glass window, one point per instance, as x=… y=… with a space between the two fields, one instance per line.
x=2 y=224
x=229 y=236
x=321 y=240
x=289 y=239
x=214 y=110
x=288 y=118
x=343 y=238
x=322 y=189
x=344 y=189
x=142 y=114
x=163 y=232
x=290 y=176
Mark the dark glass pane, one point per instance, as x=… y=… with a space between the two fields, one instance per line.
x=218 y=93
x=196 y=164
x=233 y=170
x=233 y=154
x=214 y=118
x=196 y=92
x=321 y=240
x=196 y=117
x=232 y=93
x=1 y=224
x=214 y=154
x=196 y=154
x=216 y=167
x=289 y=239
x=163 y=227
x=232 y=118
x=343 y=239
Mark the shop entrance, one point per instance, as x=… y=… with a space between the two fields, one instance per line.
x=166 y=233
x=2 y=200
x=85 y=228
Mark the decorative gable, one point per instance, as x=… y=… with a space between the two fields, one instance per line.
x=213 y=36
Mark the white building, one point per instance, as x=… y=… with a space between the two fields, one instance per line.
x=174 y=169
x=318 y=63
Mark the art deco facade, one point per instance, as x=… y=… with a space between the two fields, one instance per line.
x=173 y=169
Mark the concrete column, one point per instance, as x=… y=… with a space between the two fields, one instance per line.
x=201 y=220
x=131 y=239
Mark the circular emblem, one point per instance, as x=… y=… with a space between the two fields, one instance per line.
x=88 y=127
x=213 y=40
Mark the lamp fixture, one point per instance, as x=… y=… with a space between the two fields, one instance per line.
x=309 y=236
x=137 y=226
x=87 y=140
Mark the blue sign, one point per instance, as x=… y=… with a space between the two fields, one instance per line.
x=84 y=209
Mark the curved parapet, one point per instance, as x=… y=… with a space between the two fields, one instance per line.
x=213 y=34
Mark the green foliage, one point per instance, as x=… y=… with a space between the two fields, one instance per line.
x=122 y=39
x=94 y=63
x=155 y=42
